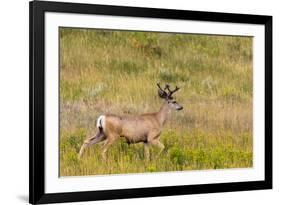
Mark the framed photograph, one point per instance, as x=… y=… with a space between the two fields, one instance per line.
x=140 y=102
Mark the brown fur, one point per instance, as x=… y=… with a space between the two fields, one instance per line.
x=144 y=128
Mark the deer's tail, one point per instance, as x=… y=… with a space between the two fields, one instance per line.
x=101 y=123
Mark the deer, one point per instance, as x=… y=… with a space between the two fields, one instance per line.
x=145 y=128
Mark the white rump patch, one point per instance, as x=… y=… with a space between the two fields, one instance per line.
x=101 y=121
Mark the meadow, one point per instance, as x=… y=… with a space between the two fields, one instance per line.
x=103 y=71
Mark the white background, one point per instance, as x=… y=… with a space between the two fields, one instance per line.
x=14 y=100
x=70 y=184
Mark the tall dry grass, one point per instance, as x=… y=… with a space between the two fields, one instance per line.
x=116 y=72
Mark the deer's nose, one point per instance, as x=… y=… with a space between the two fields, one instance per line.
x=180 y=108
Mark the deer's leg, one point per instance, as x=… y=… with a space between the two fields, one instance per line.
x=146 y=150
x=110 y=140
x=90 y=141
x=153 y=139
x=159 y=145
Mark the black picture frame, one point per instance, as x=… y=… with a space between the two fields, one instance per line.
x=37 y=10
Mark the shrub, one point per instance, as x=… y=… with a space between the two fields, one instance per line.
x=177 y=156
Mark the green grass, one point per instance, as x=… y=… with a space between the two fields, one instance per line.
x=116 y=72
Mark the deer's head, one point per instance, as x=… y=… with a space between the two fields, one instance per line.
x=166 y=94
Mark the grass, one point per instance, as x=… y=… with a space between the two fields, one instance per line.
x=116 y=72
